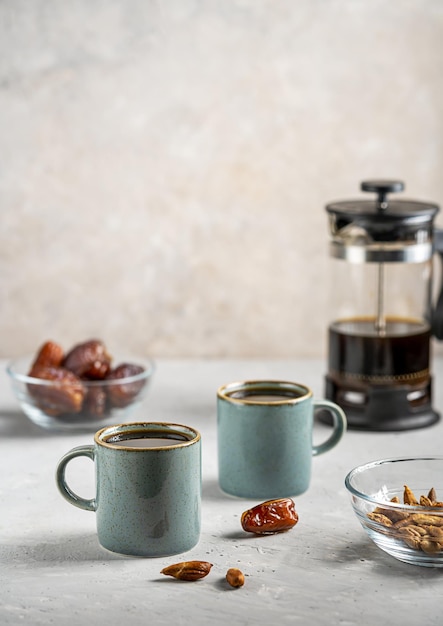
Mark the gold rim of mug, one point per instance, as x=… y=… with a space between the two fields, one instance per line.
x=254 y=385
x=116 y=428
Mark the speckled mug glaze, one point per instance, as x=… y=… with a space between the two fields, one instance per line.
x=148 y=500
x=265 y=446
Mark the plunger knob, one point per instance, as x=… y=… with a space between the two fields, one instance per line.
x=382 y=188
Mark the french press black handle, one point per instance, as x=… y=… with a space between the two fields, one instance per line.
x=382 y=188
x=437 y=313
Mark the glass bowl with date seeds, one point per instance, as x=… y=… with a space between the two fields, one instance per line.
x=81 y=389
x=399 y=503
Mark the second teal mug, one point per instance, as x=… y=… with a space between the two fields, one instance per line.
x=264 y=431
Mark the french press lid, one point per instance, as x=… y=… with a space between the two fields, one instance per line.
x=382 y=230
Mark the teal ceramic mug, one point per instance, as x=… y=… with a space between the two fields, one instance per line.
x=148 y=487
x=265 y=437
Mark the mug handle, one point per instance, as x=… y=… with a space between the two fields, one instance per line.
x=65 y=490
x=338 y=422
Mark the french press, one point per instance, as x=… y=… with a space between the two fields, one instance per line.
x=379 y=341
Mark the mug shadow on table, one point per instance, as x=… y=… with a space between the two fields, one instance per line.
x=212 y=492
x=80 y=548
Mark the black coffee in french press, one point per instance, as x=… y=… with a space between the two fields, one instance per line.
x=379 y=342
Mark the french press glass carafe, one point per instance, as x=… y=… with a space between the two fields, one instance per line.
x=379 y=340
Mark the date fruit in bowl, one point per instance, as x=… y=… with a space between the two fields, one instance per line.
x=82 y=389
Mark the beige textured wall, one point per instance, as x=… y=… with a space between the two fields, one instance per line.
x=164 y=165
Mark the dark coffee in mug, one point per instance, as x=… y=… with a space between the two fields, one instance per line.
x=267 y=396
x=146 y=439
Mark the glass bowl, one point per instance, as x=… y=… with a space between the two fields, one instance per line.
x=399 y=503
x=97 y=403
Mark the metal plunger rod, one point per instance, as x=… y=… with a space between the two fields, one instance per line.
x=380 y=321
x=382 y=188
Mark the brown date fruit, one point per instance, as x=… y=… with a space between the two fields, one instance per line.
x=272 y=516
x=49 y=355
x=64 y=395
x=120 y=395
x=89 y=360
